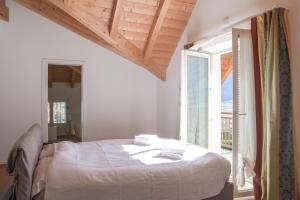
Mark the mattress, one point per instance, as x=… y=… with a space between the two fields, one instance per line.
x=120 y=170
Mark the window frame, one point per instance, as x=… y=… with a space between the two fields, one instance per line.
x=183 y=94
x=51 y=102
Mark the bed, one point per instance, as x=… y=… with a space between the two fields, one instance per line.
x=114 y=170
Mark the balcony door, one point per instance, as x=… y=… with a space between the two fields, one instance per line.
x=195 y=121
x=244 y=124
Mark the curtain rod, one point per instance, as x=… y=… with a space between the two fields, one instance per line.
x=221 y=31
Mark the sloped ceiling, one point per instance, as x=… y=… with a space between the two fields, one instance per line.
x=143 y=31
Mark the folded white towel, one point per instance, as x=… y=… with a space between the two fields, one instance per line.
x=169 y=155
x=173 y=151
x=146 y=140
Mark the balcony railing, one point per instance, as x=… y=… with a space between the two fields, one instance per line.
x=226 y=131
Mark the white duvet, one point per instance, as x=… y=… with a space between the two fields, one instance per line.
x=120 y=170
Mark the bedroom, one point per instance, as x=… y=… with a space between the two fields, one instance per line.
x=122 y=99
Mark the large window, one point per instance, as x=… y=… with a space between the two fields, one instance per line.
x=57 y=112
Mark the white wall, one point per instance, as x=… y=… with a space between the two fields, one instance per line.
x=120 y=96
x=207 y=19
x=63 y=91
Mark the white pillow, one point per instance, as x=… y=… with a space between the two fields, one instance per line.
x=39 y=177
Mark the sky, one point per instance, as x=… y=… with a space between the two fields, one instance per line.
x=227 y=95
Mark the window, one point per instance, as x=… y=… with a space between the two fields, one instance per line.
x=49 y=118
x=57 y=112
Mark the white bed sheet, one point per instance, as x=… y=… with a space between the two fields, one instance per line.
x=120 y=170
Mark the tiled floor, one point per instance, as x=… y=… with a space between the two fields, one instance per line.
x=4 y=178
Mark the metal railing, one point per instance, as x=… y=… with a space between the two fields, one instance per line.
x=226 y=130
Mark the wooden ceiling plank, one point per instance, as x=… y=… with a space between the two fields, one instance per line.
x=107 y=4
x=167 y=39
x=116 y=15
x=136 y=27
x=96 y=25
x=182 y=6
x=4 y=12
x=140 y=8
x=173 y=32
x=73 y=79
x=50 y=77
x=104 y=13
x=91 y=22
x=147 y=2
x=132 y=35
x=138 y=18
x=156 y=26
x=187 y=1
x=75 y=69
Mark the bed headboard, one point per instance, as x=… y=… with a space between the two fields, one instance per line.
x=23 y=159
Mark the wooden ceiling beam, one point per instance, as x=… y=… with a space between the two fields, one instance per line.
x=58 y=16
x=75 y=69
x=92 y=27
x=156 y=26
x=50 y=77
x=89 y=21
x=116 y=15
x=96 y=25
x=125 y=47
x=73 y=79
x=4 y=12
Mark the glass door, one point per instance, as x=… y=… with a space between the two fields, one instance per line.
x=195 y=98
x=244 y=126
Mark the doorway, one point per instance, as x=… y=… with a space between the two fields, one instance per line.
x=62 y=101
x=217 y=102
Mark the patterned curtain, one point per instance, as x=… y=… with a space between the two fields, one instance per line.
x=275 y=162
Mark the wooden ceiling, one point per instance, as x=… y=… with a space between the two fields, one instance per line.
x=226 y=65
x=64 y=74
x=3 y=11
x=143 y=31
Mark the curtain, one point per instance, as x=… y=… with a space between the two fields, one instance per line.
x=275 y=164
x=197 y=100
x=247 y=123
x=257 y=62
